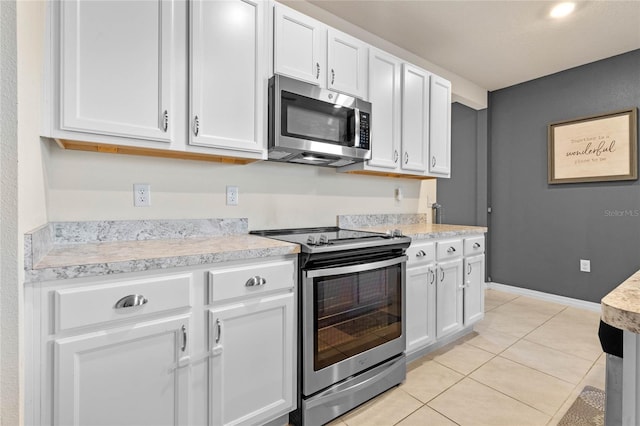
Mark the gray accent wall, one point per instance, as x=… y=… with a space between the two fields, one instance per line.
x=539 y=232
x=463 y=196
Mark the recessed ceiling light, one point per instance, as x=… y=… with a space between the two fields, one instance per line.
x=562 y=9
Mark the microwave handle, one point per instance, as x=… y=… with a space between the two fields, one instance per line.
x=324 y=272
x=356 y=130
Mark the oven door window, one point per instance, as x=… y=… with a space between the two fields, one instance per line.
x=315 y=120
x=355 y=312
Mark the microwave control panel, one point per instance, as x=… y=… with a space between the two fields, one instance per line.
x=364 y=130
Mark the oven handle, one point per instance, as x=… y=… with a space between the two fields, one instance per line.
x=354 y=268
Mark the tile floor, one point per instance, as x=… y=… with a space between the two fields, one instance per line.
x=524 y=364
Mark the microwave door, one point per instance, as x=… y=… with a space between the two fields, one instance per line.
x=316 y=120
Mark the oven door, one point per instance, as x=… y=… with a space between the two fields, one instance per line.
x=352 y=319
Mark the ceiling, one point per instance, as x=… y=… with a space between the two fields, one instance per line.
x=496 y=44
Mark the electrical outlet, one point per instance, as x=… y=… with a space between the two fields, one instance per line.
x=141 y=194
x=232 y=195
x=585 y=265
x=398 y=194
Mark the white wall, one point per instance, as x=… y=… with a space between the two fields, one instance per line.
x=9 y=288
x=94 y=186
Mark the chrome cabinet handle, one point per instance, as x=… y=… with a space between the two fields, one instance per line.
x=255 y=281
x=442 y=277
x=406 y=158
x=395 y=156
x=476 y=245
x=333 y=76
x=184 y=338
x=196 y=125
x=433 y=161
x=317 y=70
x=421 y=253
x=165 y=120
x=130 y=301
x=432 y=274
x=469 y=269
x=218 y=330
x=451 y=250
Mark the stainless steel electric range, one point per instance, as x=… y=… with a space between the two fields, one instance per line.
x=351 y=311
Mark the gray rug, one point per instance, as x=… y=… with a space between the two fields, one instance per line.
x=587 y=410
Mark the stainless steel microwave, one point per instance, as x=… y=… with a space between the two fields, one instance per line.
x=310 y=125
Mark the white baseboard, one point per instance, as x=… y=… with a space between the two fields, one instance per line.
x=576 y=303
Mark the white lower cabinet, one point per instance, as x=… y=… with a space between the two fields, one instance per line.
x=133 y=375
x=251 y=365
x=421 y=307
x=445 y=291
x=189 y=346
x=473 y=289
x=449 y=314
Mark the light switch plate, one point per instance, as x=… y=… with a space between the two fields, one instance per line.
x=585 y=265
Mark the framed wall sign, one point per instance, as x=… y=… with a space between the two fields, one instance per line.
x=594 y=149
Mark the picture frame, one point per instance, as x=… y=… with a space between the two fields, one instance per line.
x=597 y=148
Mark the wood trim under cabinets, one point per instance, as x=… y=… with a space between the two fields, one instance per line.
x=149 y=152
x=389 y=174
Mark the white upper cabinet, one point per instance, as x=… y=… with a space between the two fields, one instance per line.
x=298 y=43
x=415 y=118
x=228 y=74
x=384 y=94
x=440 y=127
x=346 y=64
x=309 y=50
x=115 y=68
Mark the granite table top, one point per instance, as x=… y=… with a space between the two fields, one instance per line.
x=621 y=307
x=51 y=255
x=425 y=231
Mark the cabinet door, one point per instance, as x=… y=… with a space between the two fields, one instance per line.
x=116 y=68
x=449 y=298
x=298 y=45
x=384 y=94
x=421 y=313
x=228 y=74
x=415 y=118
x=126 y=376
x=440 y=126
x=347 y=64
x=252 y=369
x=473 y=289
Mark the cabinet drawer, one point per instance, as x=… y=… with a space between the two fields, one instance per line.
x=84 y=306
x=473 y=246
x=250 y=280
x=448 y=249
x=421 y=254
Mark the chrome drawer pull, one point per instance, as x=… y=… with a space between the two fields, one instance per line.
x=476 y=245
x=421 y=253
x=130 y=301
x=255 y=281
x=184 y=338
x=451 y=250
x=219 y=330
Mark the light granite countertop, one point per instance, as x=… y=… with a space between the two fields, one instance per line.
x=621 y=307
x=63 y=250
x=425 y=231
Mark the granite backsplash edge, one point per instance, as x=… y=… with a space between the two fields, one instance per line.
x=38 y=242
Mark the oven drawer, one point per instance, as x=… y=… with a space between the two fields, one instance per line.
x=474 y=245
x=448 y=249
x=250 y=280
x=82 y=306
x=421 y=253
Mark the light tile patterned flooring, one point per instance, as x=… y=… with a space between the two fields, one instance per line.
x=524 y=364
